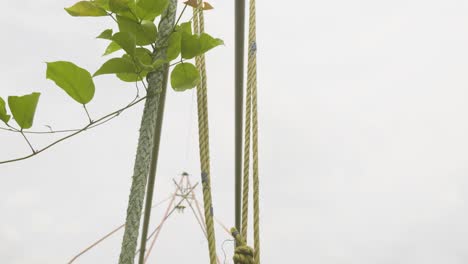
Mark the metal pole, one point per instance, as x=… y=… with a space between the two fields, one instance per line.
x=239 y=95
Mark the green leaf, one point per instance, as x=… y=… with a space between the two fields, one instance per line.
x=86 y=8
x=143 y=59
x=118 y=6
x=184 y=76
x=75 y=81
x=150 y=9
x=145 y=33
x=190 y=46
x=125 y=40
x=106 y=34
x=132 y=77
x=116 y=65
x=174 y=46
x=4 y=116
x=104 y=4
x=143 y=55
x=185 y=27
x=23 y=109
x=207 y=42
x=111 y=48
x=150 y=31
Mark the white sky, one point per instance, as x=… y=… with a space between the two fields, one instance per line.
x=363 y=136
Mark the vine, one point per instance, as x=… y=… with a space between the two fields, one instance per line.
x=136 y=35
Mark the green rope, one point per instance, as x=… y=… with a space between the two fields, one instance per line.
x=203 y=131
x=252 y=82
x=146 y=141
x=251 y=136
x=247 y=140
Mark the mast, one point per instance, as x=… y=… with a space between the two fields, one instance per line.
x=239 y=94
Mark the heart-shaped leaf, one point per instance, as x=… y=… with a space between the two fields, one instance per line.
x=150 y=9
x=104 y=4
x=185 y=27
x=116 y=65
x=23 y=109
x=145 y=33
x=75 y=81
x=174 y=46
x=4 y=116
x=118 y=6
x=131 y=77
x=190 y=46
x=143 y=59
x=184 y=76
x=86 y=8
x=207 y=42
x=126 y=40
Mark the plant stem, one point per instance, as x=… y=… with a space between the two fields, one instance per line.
x=87 y=113
x=100 y=121
x=153 y=168
x=27 y=140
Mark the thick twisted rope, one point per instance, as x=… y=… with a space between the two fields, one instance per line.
x=246 y=175
x=203 y=131
x=146 y=140
x=252 y=82
x=251 y=126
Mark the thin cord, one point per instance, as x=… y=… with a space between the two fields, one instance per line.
x=224 y=251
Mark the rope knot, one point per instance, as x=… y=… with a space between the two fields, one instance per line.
x=243 y=254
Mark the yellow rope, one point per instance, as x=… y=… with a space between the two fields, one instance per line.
x=251 y=136
x=243 y=254
x=246 y=176
x=202 y=102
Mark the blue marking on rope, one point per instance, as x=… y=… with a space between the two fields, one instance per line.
x=253 y=47
x=204 y=177
x=211 y=210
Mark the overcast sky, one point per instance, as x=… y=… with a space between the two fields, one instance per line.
x=363 y=136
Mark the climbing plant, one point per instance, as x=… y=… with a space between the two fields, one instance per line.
x=150 y=51
x=156 y=49
x=136 y=34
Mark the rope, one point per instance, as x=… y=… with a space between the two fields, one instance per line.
x=252 y=81
x=199 y=27
x=247 y=139
x=251 y=136
x=145 y=143
x=243 y=254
